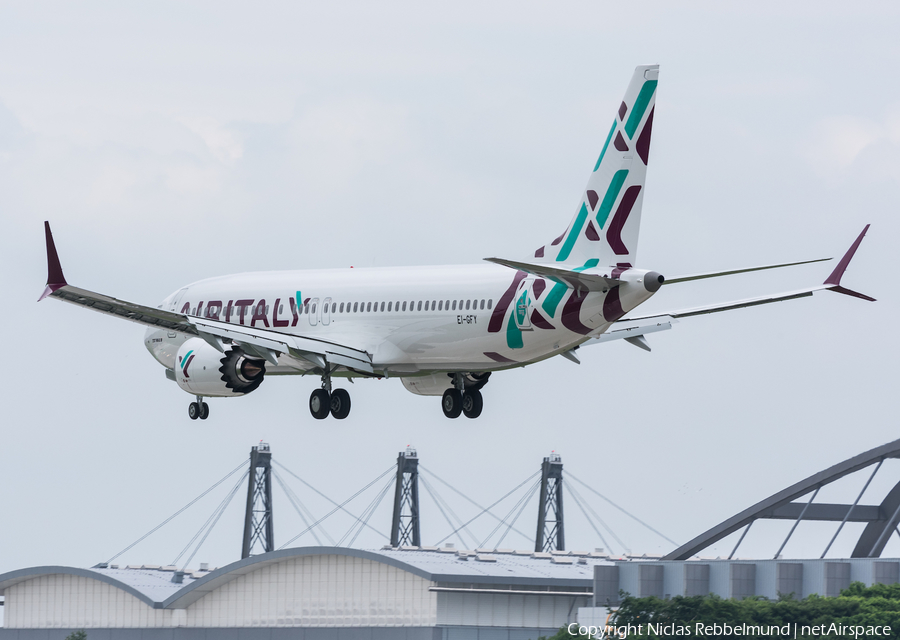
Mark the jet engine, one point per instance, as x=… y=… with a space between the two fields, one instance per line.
x=202 y=370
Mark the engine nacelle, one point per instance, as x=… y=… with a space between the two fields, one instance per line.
x=436 y=383
x=202 y=370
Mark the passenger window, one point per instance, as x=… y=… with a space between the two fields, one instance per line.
x=454 y=305
x=355 y=306
x=440 y=305
x=306 y=308
x=280 y=309
x=432 y=305
x=482 y=303
x=389 y=306
x=333 y=307
x=342 y=307
x=426 y=305
x=382 y=306
x=404 y=305
x=369 y=307
x=468 y=302
x=489 y=303
x=314 y=308
x=420 y=306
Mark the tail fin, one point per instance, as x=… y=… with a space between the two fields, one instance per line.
x=604 y=231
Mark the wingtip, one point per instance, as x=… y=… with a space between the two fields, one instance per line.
x=838 y=273
x=55 y=277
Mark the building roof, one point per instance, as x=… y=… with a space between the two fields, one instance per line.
x=153 y=584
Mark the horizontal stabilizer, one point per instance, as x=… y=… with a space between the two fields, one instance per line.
x=736 y=304
x=574 y=277
x=625 y=329
x=716 y=274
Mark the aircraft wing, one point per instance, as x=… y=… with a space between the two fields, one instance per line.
x=262 y=343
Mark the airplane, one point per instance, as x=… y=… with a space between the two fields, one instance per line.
x=443 y=330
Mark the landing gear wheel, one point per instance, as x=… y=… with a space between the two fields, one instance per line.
x=472 y=403
x=194 y=410
x=340 y=404
x=451 y=403
x=204 y=411
x=319 y=404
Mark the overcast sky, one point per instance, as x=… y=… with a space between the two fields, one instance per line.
x=169 y=142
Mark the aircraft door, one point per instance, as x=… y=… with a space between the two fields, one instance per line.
x=326 y=311
x=524 y=305
x=314 y=311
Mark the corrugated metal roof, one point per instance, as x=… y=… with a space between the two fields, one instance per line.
x=153 y=583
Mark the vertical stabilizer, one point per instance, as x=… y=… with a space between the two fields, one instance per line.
x=604 y=231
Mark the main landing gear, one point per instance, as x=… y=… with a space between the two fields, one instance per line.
x=324 y=401
x=198 y=409
x=460 y=400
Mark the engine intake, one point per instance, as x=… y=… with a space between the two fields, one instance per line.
x=202 y=370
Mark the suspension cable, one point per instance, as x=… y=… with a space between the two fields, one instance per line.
x=338 y=507
x=591 y=522
x=455 y=490
x=525 y=497
x=521 y=510
x=577 y=495
x=440 y=507
x=372 y=511
x=177 y=513
x=487 y=509
x=212 y=516
x=212 y=526
x=633 y=517
x=295 y=502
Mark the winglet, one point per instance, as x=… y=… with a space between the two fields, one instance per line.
x=837 y=274
x=55 y=277
x=835 y=278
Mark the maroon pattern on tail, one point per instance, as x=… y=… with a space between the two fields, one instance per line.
x=539 y=253
x=571 y=315
x=593 y=198
x=614 y=233
x=612 y=306
x=558 y=240
x=621 y=267
x=503 y=303
x=539 y=321
x=620 y=142
x=590 y=232
x=622 y=111
x=538 y=287
x=643 y=144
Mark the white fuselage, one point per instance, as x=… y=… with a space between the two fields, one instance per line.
x=411 y=320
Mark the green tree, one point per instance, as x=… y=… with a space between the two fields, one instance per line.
x=77 y=635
